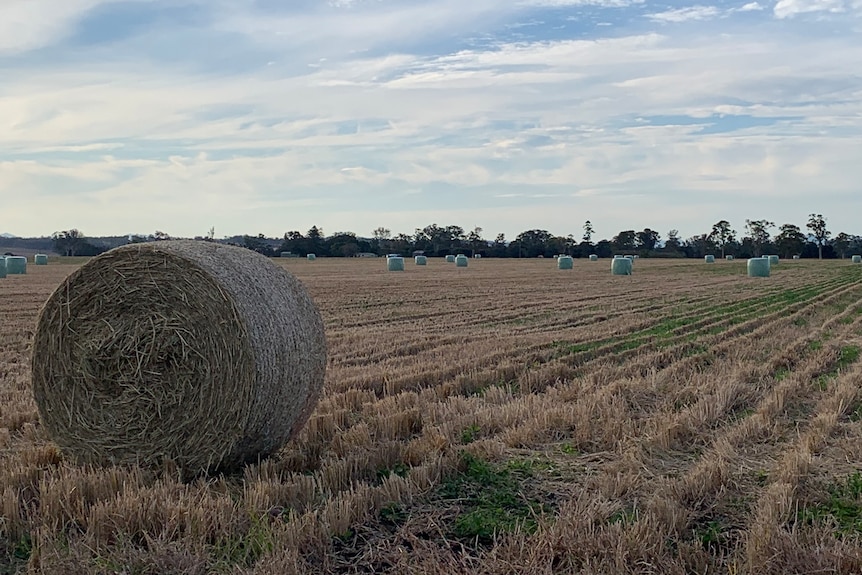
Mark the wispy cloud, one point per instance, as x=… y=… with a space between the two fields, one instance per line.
x=685 y=14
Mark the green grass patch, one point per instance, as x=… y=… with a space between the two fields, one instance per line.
x=842 y=509
x=491 y=498
x=245 y=549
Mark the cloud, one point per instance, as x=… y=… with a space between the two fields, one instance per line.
x=265 y=117
x=791 y=8
x=685 y=14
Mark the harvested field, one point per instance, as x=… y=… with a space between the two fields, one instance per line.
x=504 y=418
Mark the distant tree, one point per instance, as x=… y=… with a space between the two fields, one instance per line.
x=210 y=237
x=625 y=241
x=68 y=242
x=532 y=243
x=604 y=249
x=698 y=246
x=475 y=241
x=380 y=239
x=342 y=244
x=293 y=242
x=673 y=242
x=498 y=248
x=817 y=225
x=790 y=240
x=258 y=244
x=315 y=242
x=647 y=239
x=842 y=243
x=588 y=232
x=758 y=233
x=722 y=235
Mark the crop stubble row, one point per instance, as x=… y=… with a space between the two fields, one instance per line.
x=660 y=422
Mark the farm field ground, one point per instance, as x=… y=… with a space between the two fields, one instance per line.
x=505 y=418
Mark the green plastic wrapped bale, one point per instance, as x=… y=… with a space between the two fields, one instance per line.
x=709 y=259
x=421 y=260
x=395 y=264
x=594 y=258
x=729 y=258
x=450 y=259
x=461 y=261
x=796 y=257
x=758 y=267
x=565 y=263
x=630 y=258
x=40 y=259
x=857 y=259
x=286 y=255
x=619 y=257
x=773 y=260
x=477 y=256
x=621 y=267
x=16 y=265
x=311 y=257
x=2 y=267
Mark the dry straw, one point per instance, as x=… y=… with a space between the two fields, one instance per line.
x=565 y=263
x=758 y=267
x=16 y=265
x=40 y=259
x=206 y=355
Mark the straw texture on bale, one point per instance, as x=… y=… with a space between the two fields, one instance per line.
x=421 y=260
x=395 y=264
x=40 y=259
x=565 y=263
x=2 y=267
x=857 y=259
x=621 y=267
x=16 y=265
x=594 y=258
x=758 y=268
x=461 y=261
x=709 y=259
x=773 y=260
x=207 y=355
x=450 y=259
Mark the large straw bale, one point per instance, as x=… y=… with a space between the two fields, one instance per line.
x=207 y=355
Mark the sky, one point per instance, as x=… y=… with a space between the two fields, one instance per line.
x=266 y=116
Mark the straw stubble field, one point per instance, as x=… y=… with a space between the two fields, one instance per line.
x=505 y=418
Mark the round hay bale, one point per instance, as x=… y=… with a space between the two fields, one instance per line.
x=395 y=264
x=461 y=261
x=16 y=265
x=729 y=258
x=857 y=259
x=207 y=355
x=594 y=258
x=796 y=257
x=621 y=267
x=477 y=256
x=709 y=259
x=450 y=259
x=758 y=267
x=565 y=263
x=2 y=267
x=773 y=260
x=40 y=259
x=311 y=257
x=421 y=260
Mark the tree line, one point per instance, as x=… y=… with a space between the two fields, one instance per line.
x=759 y=237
